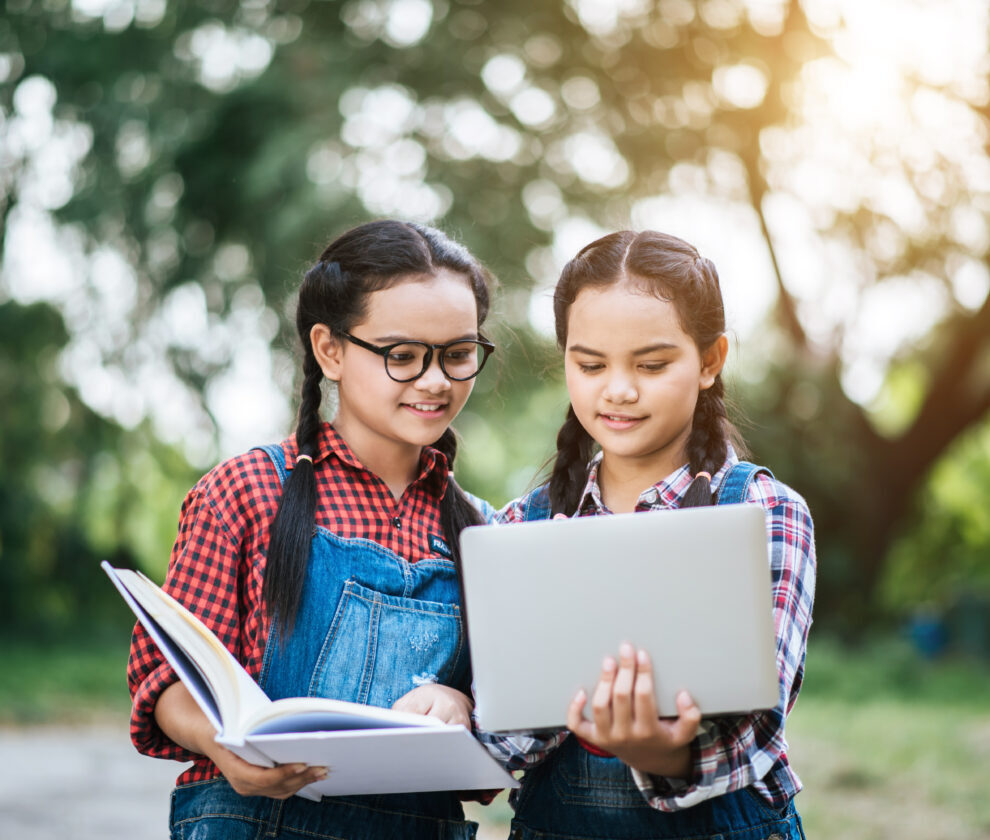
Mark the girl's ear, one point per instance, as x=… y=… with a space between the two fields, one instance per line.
x=327 y=350
x=713 y=360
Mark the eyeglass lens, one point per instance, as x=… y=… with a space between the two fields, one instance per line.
x=460 y=360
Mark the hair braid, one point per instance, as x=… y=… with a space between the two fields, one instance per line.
x=456 y=510
x=574 y=449
x=292 y=528
x=707 y=446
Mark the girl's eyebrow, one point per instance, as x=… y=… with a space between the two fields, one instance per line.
x=642 y=351
x=394 y=339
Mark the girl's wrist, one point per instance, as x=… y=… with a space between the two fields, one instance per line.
x=671 y=764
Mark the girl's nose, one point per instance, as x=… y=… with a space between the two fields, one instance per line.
x=620 y=389
x=433 y=380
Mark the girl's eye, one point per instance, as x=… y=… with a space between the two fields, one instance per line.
x=400 y=358
x=654 y=367
x=590 y=367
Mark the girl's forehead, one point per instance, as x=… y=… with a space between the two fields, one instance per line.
x=623 y=312
x=423 y=302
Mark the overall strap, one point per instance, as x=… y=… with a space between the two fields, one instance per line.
x=734 y=488
x=274 y=451
x=538 y=504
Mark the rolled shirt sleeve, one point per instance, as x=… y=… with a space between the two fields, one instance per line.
x=731 y=753
x=203 y=576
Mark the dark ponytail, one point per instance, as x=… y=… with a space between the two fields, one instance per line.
x=673 y=270
x=292 y=528
x=456 y=510
x=568 y=478
x=334 y=292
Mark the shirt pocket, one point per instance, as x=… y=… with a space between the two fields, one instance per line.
x=379 y=647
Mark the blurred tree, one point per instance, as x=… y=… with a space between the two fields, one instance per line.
x=219 y=144
x=75 y=489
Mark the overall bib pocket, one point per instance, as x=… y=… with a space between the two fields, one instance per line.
x=379 y=647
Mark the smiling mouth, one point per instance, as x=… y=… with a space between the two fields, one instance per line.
x=619 y=418
x=427 y=408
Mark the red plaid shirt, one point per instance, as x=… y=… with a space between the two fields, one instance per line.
x=218 y=560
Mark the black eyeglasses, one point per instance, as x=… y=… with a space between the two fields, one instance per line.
x=408 y=360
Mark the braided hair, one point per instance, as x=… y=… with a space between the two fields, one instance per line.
x=674 y=271
x=334 y=292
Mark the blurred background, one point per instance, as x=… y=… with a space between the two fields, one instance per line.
x=168 y=170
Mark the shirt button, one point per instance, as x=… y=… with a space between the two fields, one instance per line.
x=397 y=522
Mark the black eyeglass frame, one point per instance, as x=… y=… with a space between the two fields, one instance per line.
x=487 y=348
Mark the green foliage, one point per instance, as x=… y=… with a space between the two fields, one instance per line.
x=942 y=556
x=886 y=669
x=75 y=489
x=71 y=681
x=229 y=174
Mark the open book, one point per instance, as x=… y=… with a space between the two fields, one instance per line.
x=366 y=749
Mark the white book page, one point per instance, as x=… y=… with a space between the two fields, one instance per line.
x=390 y=760
x=215 y=679
x=246 y=696
x=317 y=714
x=195 y=680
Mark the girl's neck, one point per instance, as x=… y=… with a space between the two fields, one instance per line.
x=623 y=480
x=394 y=462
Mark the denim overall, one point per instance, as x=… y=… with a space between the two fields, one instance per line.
x=370 y=628
x=576 y=795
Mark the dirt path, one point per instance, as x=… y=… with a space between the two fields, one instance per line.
x=84 y=783
x=88 y=783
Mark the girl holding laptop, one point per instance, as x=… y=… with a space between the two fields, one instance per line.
x=640 y=319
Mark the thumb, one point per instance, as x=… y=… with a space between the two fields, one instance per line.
x=685 y=728
x=560 y=516
x=417 y=702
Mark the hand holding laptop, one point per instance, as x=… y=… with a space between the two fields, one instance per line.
x=625 y=720
x=690 y=587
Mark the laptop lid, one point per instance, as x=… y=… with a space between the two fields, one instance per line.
x=546 y=601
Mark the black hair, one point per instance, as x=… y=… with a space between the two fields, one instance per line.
x=334 y=292
x=673 y=270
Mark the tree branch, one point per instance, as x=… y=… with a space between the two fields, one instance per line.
x=785 y=301
x=952 y=404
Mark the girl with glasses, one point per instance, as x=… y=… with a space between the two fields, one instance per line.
x=328 y=562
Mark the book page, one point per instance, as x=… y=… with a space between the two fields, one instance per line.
x=322 y=714
x=390 y=760
x=245 y=695
x=215 y=679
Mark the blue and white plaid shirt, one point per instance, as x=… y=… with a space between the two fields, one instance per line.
x=729 y=753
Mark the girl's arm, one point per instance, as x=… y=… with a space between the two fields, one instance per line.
x=204 y=575
x=203 y=560
x=732 y=753
x=184 y=723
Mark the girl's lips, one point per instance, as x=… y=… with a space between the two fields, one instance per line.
x=425 y=409
x=619 y=421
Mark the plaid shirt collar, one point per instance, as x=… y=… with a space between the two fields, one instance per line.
x=432 y=462
x=666 y=493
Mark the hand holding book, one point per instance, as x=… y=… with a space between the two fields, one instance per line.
x=366 y=749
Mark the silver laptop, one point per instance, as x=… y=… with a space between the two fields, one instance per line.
x=547 y=601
